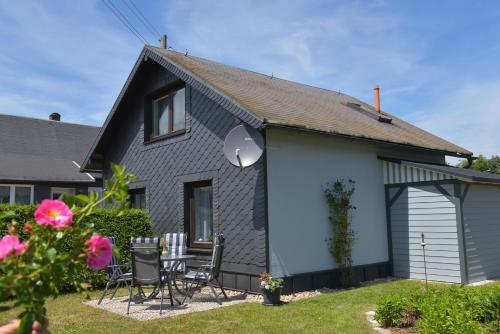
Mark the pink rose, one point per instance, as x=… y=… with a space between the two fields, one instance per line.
x=54 y=213
x=10 y=244
x=100 y=252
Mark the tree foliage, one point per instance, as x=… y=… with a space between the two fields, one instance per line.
x=484 y=164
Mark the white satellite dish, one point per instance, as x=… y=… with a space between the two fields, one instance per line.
x=243 y=146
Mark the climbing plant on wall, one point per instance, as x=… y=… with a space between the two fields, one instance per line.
x=339 y=197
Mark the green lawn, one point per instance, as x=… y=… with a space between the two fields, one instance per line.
x=338 y=312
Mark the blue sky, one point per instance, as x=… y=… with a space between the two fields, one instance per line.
x=437 y=62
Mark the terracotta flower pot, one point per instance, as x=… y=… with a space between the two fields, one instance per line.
x=272 y=298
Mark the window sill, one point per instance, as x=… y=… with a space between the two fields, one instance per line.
x=166 y=136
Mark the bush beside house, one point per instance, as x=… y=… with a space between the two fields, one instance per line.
x=109 y=222
x=455 y=309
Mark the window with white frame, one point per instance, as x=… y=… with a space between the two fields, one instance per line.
x=16 y=194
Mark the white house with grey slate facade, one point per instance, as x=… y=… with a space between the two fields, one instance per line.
x=168 y=127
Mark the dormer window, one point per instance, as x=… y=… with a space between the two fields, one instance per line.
x=168 y=113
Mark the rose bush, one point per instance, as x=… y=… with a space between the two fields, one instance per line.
x=37 y=268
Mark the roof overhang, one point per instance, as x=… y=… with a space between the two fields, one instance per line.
x=268 y=123
x=401 y=171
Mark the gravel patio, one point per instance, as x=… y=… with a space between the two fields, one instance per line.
x=201 y=301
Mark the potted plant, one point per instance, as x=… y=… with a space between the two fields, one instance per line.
x=271 y=289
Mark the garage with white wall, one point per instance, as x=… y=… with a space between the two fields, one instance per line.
x=458 y=212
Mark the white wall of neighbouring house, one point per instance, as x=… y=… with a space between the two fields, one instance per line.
x=299 y=166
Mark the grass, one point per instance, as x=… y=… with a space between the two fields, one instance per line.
x=338 y=312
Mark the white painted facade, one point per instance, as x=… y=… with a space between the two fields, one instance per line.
x=299 y=165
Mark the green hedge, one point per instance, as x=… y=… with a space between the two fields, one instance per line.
x=131 y=223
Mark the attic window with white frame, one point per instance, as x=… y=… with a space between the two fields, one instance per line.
x=169 y=113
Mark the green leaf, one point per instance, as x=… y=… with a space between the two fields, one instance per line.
x=116 y=252
x=26 y=325
x=51 y=254
x=82 y=198
x=68 y=199
x=117 y=170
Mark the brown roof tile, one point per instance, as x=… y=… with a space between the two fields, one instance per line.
x=283 y=102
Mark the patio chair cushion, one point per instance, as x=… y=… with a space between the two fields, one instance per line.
x=177 y=245
x=196 y=275
x=153 y=241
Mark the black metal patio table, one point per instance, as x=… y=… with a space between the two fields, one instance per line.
x=172 y=271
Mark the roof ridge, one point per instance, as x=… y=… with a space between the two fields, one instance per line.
x=48 y=120
x=259 y=73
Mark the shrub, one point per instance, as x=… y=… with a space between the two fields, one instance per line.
x=492 y=327
x=489 y=306
x=398 y=310
x=109 y=222
x=452 y=310
x=444 y=309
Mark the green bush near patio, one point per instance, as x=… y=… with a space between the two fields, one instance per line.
x=108 y=222
x=443 y=309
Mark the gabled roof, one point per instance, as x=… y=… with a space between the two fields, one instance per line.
x=261 y=99
x=42 y=150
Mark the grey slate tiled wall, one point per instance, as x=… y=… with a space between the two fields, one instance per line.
x=164 y=166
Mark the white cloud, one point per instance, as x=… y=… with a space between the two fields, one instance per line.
x=347 y=45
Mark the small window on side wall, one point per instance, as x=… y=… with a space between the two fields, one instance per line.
x=169 y=113
x=199 y=214
x=137 y=198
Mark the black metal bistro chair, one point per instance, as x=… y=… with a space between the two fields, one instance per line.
x=208 y=274
x=116 y=275
x=147 y=271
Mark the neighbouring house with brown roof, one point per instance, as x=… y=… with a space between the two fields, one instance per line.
x=169 y=126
